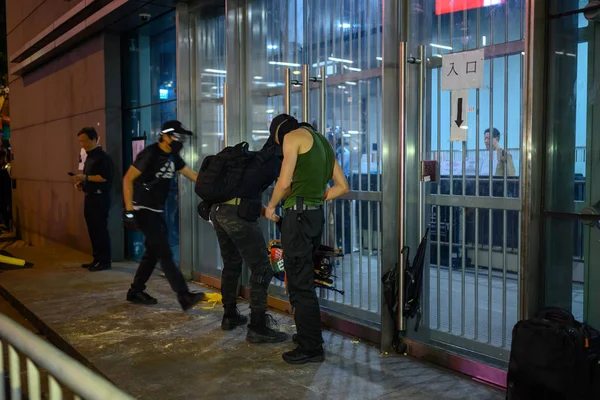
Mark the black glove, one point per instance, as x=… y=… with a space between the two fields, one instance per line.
x=204 y=210
x=129 y=220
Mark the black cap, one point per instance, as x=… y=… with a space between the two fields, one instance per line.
x=174 y=126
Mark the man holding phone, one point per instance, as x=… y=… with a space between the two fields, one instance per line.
x=95 y=183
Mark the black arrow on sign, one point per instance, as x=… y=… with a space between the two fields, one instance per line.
x=459 y=119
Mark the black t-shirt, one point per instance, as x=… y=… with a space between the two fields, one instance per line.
x=158 y=168
x=98 y=162
x=259 y=175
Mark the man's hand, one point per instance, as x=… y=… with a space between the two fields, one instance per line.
x=270 y=214
x=79 y=178
x=129 y=220
x=79 y=186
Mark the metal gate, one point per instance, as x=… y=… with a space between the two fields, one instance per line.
x=321 y=62
x=268 y=45
x=471 y=294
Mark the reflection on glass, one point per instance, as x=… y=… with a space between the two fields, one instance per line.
x=474 y=252
x=149 y=61
x=346 y=39
x=481 y=275
x=210 y=71
x=568 y=164
x=149 y=99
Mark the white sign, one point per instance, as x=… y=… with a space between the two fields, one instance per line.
x=462 y=70
x=458 y=116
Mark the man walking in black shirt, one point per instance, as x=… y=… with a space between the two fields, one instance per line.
x=145 y=190
x=95 y=183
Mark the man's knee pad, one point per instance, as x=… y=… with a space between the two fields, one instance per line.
x=263 y=277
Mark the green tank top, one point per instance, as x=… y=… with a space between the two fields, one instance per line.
x=313 y=172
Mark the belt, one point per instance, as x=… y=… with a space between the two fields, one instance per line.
x=305 y=208
x=233 y=202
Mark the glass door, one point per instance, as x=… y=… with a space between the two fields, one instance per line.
x=572 y=249
x=338 y=46
x=464 y=99
x=209 y=77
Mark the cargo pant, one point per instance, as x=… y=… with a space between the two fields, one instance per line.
x=239 y=241
x=300 y=237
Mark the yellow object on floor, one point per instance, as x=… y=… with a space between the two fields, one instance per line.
x=214 y=299
x=13 y=261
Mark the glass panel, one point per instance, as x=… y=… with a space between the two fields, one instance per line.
x=572 y=277
x=209 y=68
x=498 y=111
x=149 y=99
x=474 y=252
x=484 y=281
x=344 y=37
x=150 y=63
x=275 y=41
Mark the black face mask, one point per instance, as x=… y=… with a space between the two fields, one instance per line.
x=176 y=146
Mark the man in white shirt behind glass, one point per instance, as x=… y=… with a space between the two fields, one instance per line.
x=502 y=160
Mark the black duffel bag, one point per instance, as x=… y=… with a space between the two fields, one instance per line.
x=553 y=357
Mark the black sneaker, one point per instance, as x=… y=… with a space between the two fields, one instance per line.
x=99 y=267
x=298 y=356
x=137 y=297
x=88 y=265
x=232 y=319
x=260 y=330
x=190 y=299
x=295 y=338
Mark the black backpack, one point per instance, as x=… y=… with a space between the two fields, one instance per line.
x=553 y=357
x=220 y=175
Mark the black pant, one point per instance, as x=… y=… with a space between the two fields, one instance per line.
x=95 y=210
x=153 y=226
x=239 y=241
x=300 y=237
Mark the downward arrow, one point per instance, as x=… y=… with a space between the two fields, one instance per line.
x=459 y=119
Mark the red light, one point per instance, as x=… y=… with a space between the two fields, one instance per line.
x=449 y=6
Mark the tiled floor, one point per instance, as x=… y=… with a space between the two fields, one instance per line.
x=159 y=352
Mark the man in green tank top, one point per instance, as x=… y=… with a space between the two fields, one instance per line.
x=308 y=166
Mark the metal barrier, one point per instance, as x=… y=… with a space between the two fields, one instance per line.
x=62 y=369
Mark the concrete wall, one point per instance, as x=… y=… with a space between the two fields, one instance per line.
x=48 y=107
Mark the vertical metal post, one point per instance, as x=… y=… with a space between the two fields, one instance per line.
x=305 y=92
x=401 y=157
x=14 y=366
x=54 y=388
x=323 y=99
x=421 y=124
x=287 y=93
x=33 y=381
x=225 y=114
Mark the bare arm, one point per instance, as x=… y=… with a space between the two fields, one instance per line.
x=340 y=184
x=189 y=173
x=131 y=175
x=290 y=155
x=90 y=178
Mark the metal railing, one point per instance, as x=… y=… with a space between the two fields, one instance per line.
x=62 y=370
